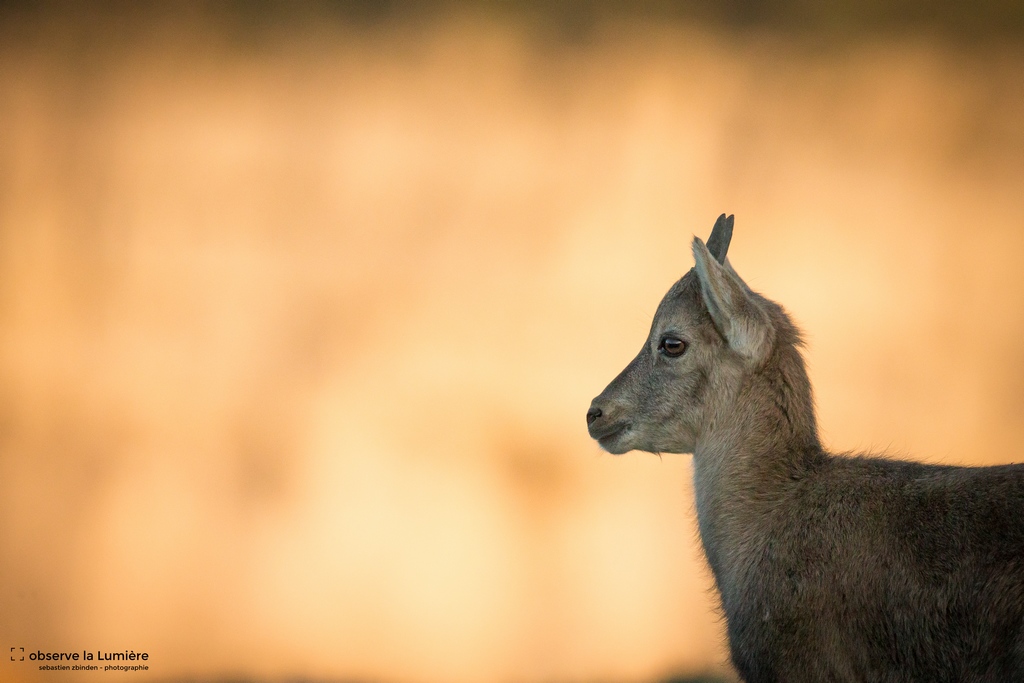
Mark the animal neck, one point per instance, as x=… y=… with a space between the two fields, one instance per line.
x=751 y=459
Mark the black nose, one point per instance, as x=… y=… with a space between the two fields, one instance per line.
x=593 y=414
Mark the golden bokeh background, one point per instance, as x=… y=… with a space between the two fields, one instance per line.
x=301 y=309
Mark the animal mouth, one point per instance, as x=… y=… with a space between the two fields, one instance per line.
x=610 y=434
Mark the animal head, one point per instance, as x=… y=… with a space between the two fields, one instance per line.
x=709 y=337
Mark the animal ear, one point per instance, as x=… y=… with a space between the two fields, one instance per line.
x=736 y=314
x=721 y=235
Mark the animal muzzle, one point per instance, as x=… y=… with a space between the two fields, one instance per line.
x=604 y=420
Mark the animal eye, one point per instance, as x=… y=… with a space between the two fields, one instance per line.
x=672 y=346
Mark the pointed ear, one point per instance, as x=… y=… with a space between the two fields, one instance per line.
x=721 y=235
x=736 y=314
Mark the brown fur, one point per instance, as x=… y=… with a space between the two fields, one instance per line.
x=829 y=568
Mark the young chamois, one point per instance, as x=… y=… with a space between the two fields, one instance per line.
x=830 y=568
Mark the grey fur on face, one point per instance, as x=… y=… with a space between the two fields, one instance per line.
x=829 y=568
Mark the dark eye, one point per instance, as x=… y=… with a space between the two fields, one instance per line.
x=672 y=346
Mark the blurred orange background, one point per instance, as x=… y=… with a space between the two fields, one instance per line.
x=301 y=311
